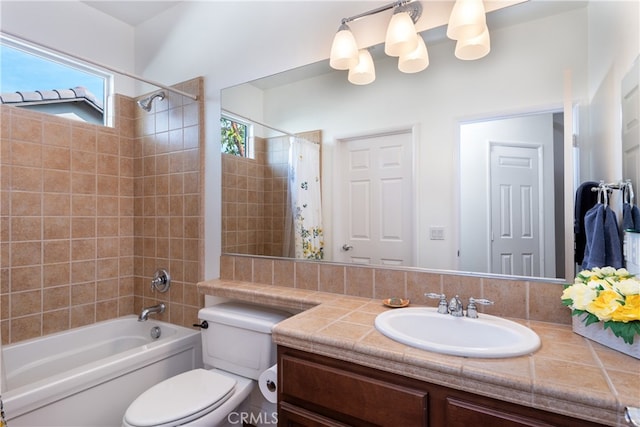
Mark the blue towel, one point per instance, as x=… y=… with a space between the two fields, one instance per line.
x=627 y=217
x=630 y=217
x=635 y=214
x=585 y=200
x=603 y=247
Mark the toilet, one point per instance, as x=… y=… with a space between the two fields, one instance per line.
x=236 y=349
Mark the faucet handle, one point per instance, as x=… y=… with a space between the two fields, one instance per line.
x=443 y=308
x=481 y=301
x=472 y=310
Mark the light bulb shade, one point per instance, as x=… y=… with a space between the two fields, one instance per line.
x=401 y=35
x=474 y=48
x=467 y=19
x=363 y=73
x=344 y=50
x=415 y=61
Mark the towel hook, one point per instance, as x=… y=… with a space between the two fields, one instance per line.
x=603 y=194
x=629 y=187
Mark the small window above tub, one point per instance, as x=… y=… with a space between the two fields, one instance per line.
x=237 y=137
x=35 y=78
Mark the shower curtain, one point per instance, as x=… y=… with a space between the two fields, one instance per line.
x=304 y=211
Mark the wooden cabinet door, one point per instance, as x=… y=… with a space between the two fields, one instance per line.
x=339 y=391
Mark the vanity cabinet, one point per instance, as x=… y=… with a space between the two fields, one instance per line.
x=319 y=391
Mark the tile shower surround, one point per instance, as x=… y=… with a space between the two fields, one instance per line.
x=254 y=197
x=87 y=213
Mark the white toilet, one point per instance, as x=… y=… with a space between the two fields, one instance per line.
x=236 y=349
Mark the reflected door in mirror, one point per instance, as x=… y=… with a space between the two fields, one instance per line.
x=376 y=192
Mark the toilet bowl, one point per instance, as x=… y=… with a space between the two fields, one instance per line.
x=236 y=348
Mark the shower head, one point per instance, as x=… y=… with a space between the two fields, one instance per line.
x=145 y=103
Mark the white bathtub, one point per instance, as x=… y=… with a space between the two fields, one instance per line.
x=88 y=376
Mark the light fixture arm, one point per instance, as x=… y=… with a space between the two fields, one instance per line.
x=413 y=8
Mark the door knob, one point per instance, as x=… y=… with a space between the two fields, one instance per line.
x=346 y=247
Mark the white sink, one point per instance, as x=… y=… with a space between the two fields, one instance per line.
x=487 y=336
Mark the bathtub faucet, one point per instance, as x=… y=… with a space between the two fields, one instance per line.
x=148 y=310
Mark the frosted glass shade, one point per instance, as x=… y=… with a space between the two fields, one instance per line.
x=475 y=47
x=344 y=50
x=363 y=73
x=415 y=61
x=401 y=35
x=467 y=19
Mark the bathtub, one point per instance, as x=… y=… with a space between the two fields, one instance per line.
x=88 y=376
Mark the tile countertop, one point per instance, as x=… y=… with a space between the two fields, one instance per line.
x=569 y=374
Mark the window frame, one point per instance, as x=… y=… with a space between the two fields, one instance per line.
x=249 y=147
x=67 y=61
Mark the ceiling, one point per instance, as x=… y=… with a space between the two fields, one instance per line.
x=131 y=12
x=134 y=12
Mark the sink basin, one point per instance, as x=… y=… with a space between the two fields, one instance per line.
x=487 y=336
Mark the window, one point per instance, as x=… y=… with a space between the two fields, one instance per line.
x=236 y=137
x=35 y=78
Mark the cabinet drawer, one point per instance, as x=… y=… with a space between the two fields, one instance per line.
x=348 y=396
x=459 y=412
x=292 y=416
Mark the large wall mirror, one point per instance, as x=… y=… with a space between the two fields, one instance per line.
x=448 y=124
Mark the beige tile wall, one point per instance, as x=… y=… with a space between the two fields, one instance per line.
x=243 y=192
x=168 y=207
x=88 y=212
x=533 y=300
x=66 y=221
x=254 y=197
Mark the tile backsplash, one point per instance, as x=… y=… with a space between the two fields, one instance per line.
x=530 y=300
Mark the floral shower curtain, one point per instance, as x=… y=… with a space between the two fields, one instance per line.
x=304 y=201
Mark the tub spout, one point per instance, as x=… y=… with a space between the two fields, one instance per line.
x=148 y=310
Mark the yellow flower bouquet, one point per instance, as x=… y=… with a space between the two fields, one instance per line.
x=607 y=295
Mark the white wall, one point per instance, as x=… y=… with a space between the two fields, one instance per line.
x=614 y=43
x=74 y=28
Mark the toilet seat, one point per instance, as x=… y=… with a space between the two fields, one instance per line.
x=180 y=399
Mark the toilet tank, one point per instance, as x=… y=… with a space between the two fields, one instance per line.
x=238 y=339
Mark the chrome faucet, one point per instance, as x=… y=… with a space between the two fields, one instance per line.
x=148 y=310
x=455 y=307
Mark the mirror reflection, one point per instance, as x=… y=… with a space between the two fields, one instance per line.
x=432 y=211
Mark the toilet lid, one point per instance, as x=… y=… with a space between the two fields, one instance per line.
x=183 y=396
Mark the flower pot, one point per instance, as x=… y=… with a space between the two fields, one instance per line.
x=597 y=333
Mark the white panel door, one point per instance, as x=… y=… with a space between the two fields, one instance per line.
x=376 y=199
x=516 y=220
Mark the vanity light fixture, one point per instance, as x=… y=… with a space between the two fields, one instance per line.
x=467 y=20
x=415 y=61
x=467 y=25
x=402 y=40
x=474 y=47
x=402 y=37
x=344 y=50
x=364 y=72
